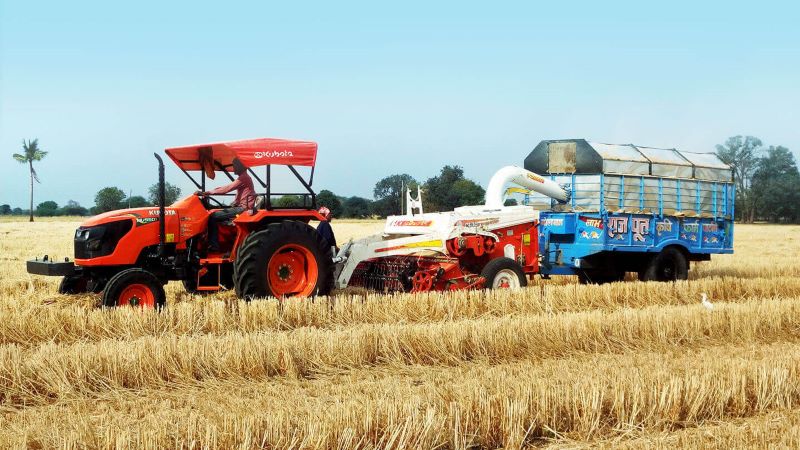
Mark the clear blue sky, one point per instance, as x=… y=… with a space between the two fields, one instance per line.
x=382 y=88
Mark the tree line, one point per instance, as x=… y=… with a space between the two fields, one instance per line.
x=767 y=184
x=444 y=192
x=107 y=199
x=767 y=180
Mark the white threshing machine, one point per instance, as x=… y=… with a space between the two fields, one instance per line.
x=472 y=247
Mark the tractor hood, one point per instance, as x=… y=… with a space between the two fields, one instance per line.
x=141 y=215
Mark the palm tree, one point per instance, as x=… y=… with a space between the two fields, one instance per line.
x=31 y=154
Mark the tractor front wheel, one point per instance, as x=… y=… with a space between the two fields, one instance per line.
x=134 y=287
x=287 y=259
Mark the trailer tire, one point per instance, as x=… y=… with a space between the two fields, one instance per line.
x=670 y=264
x=134 y=287
x=504 y=273
x=285 y=259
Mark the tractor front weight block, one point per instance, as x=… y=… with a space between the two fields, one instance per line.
x=50 y=268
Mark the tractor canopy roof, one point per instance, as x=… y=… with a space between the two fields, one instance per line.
x=251 y=152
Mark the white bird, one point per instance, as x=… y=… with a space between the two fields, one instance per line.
x=706 y=303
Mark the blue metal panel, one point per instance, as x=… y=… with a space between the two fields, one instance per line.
x=568 y=236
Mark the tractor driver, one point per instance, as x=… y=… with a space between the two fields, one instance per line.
x=325 y=230
x=245 y=199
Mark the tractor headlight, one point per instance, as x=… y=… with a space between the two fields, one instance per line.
x=100 y=240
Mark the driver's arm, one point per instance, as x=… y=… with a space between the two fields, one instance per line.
x=225 y=189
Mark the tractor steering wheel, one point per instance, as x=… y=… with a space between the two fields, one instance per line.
x=207 y=199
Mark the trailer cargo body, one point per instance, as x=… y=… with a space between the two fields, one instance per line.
x=627 y=204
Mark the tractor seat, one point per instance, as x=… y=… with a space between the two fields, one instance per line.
x=260 y=202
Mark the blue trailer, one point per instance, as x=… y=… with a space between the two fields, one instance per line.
x=631 y=208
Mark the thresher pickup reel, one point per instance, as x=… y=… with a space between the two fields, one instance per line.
x=414 y=273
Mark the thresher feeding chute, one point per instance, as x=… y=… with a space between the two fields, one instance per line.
x=471 y=247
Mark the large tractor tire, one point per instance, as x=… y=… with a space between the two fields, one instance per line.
x=134 y=287
x=504 y=273
x=669 y=264
x=287 y=259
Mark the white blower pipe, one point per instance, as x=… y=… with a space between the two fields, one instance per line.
x=495 y=193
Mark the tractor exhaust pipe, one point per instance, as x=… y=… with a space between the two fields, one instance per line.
x=161 y=200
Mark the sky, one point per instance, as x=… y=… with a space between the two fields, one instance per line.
x=383 y=87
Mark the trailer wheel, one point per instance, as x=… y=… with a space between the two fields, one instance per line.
x=134 y=287
x=668 y=265
x=504 y=273
x=286 y=259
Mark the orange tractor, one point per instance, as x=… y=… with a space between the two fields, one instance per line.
x=129 y=255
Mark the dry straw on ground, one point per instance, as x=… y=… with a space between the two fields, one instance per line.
x=555 y=365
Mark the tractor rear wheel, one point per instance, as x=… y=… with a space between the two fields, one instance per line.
x=134 y=287
x=286 y=259
x=504 y=273
x=668 y=265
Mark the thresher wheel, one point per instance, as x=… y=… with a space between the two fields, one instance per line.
x=504 y=273
x=286 y=259
x=423 y=281
x=134 y=287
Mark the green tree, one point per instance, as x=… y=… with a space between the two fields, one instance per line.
x=289 y=201
x=450 y=190
x=48 y=208
x=511 y=202
x=389 y=194
x=776 y=186
x=31 y=153
x=73 y=208
x=356 y=207
x=331 y=201
x=742 y=153
x=171 y=194
x=137 y=201
x=5 y=210
x=109 y=199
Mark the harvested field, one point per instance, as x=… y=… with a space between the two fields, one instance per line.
x=558 y=364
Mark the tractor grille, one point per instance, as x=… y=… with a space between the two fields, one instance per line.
x=100 y=240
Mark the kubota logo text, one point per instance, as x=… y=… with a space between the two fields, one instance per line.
x=273 y=154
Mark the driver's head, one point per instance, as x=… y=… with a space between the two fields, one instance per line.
x=325 y=212
x=238 y=167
